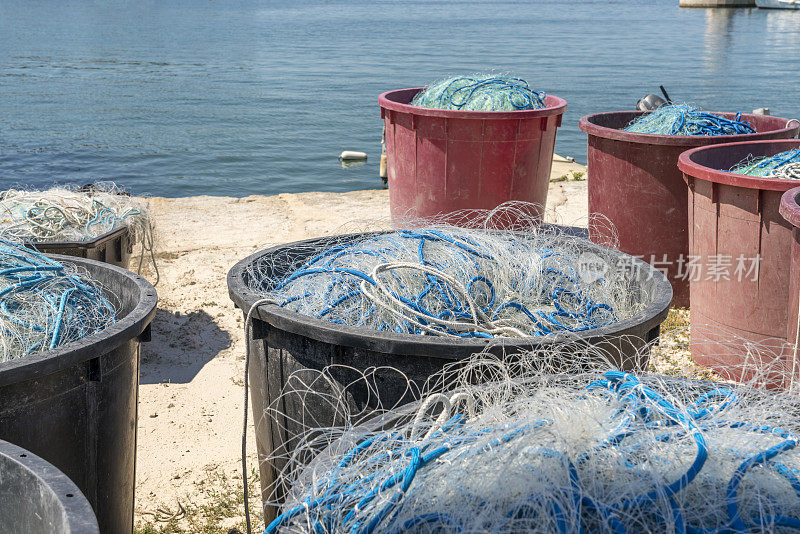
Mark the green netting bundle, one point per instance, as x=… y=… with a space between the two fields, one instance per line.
x=682 y=119
x=480 y=92
x=784 y=165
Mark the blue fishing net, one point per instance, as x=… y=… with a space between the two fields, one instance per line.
x=682 y=119
x=480 y=92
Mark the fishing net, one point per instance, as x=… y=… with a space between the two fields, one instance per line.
x=45 y=304
x=484 y=278
x=553 y=441
x=70 y=213
x=682 y=119
x=480 y=92
x=784 y=165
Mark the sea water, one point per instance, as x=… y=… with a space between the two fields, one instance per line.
x=225 y=97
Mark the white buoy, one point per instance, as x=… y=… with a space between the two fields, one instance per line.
x=382 y=169
x=351 y=155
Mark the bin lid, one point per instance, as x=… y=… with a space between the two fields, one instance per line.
x=42 y=489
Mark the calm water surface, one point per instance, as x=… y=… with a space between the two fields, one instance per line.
x=235 y=98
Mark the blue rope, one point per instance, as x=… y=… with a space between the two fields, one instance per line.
x=515 y=88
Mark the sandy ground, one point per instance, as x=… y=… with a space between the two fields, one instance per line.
x=191 y=392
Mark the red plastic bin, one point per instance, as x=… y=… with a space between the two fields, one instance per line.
x=741 y=245
x=634 y=181
x=440 y=161
x=790 y=209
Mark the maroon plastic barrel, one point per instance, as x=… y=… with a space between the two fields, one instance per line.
x=440 y=161
x=740 y=246
x=635 y=183
x=790 y=209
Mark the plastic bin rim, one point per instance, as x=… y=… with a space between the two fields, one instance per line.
x=89 y=347
x=790 y=206
x=587 y=125
x=409 y=344
x=555 y=106
x=88 y=244
x=76 y=508
x=693 y=169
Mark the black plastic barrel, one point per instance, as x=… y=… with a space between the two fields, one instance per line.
x=37 y=498
x=114 y=247
x=283 y=342
x=75 y=406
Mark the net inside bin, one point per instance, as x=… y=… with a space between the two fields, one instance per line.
x=784 y=165
x=45 y=304
x=683 y=119
x=480 y=92
x=70 y=213
x=471 y=280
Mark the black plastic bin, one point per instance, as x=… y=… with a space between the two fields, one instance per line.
x=114 y=247
x=37 y=498
x=283 y=342
x=75 y=406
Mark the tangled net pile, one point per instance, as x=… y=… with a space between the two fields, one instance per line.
x=461 y=282
x=515 y=446
x=682 y=119
x=784 y=165
x=70 y=214
x=480 y=92
x=45 y=304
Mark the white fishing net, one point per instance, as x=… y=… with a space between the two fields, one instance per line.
x=71 y=213
x=554 y=441
x=45 y=304
x=482 y=273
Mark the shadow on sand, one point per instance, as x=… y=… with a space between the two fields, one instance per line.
x=181 y=345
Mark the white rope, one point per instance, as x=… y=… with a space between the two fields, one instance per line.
x=480 y=321
x=790 y=171
x=248 y=325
